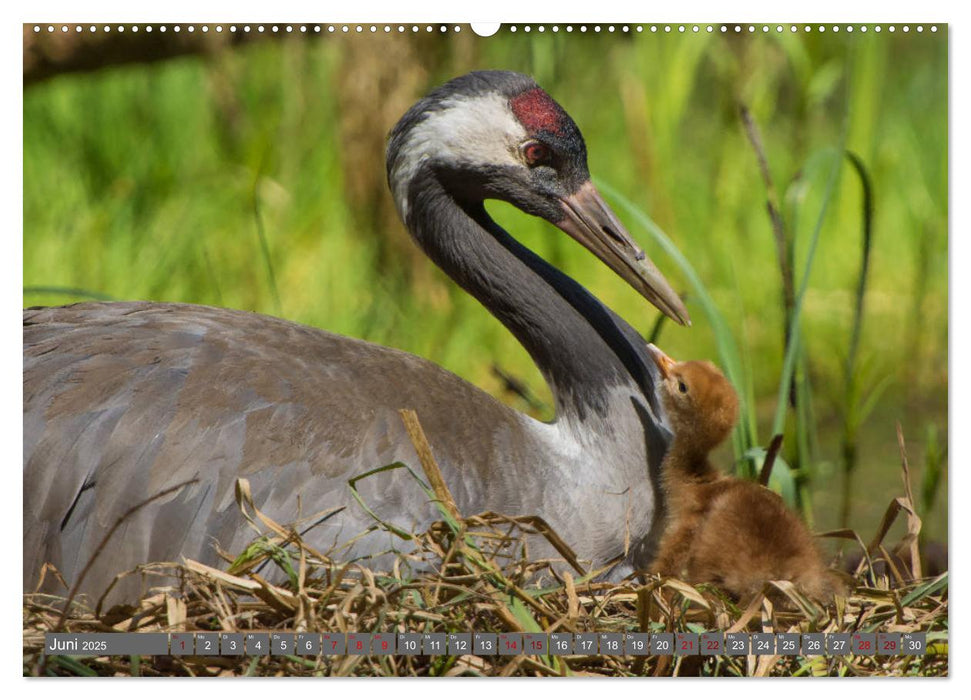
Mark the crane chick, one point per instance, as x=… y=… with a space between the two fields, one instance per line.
x=718 y=529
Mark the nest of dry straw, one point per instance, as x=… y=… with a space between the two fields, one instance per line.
x=476 y=574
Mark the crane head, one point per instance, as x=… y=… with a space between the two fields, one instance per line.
x=700 y=401
x=498 y=135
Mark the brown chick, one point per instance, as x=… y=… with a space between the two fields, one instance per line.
x=718 y=529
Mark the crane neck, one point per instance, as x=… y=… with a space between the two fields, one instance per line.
x=687 y=459
x=582 y=348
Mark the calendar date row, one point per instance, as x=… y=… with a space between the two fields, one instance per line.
x=485 y=644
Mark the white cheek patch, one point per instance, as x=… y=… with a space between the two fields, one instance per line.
x=466 y=131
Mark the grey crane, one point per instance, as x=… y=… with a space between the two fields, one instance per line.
x=124 y=400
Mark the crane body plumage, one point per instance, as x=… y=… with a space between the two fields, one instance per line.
x=123 y=400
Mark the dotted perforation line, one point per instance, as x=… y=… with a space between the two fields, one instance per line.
x=247 y=28
x=443 y=28
x=723 y=28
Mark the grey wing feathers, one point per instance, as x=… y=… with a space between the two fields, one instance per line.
x=122 y=401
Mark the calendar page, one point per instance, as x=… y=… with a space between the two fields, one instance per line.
x=545 y=349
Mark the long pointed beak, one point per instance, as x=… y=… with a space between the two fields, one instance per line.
x=663 y=362
x=589 y=220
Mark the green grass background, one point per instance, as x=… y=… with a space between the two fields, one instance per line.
x=159 y=181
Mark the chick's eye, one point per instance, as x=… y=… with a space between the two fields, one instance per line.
x=682 y=387
x=536 y=153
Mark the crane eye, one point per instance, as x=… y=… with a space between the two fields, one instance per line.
x=682 y=387
x=536 y=153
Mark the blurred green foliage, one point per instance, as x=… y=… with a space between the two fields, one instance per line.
x=158 y=181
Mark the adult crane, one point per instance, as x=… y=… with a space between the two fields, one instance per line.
x=125 y=400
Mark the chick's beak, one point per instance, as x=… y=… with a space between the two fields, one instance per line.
x=588 y=219
x=664 y=363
